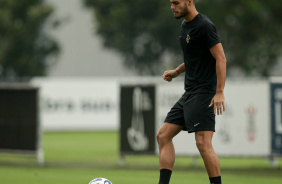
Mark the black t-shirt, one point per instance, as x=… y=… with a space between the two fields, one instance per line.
x=196 y=38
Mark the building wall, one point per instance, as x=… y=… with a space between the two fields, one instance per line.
x=82 y=52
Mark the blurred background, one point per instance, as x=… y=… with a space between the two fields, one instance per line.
x=72 y=72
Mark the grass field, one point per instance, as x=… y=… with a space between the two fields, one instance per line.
x=78 y=157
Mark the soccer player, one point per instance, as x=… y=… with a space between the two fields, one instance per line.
x=205 y=71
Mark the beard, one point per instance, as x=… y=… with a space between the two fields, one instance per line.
x=182 y=13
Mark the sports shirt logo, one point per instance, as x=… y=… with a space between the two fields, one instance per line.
x=188 y=38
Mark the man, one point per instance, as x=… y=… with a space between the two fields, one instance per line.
x=205 y=71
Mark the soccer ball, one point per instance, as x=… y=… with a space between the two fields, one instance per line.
x=100 y=181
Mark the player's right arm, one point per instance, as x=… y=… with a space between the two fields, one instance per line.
x=170 y=74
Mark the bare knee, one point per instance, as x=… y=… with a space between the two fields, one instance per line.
x=204 y=141
x=204 y=146
x=163 y=137
x=167 y=132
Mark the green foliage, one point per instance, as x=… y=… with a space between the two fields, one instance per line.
x=251 y=32
x=145 y=31
x=24 y=45
x=140 y=30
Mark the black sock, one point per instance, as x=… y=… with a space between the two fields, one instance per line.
x=165 y=176
x=215 y=180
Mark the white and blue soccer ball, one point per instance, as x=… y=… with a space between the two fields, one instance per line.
x=100 y=181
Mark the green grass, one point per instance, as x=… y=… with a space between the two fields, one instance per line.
x=78 y=157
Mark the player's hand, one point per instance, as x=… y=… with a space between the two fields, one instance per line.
x=219 y=103
x=169 y=75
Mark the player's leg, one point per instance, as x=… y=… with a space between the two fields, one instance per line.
x=174 y=123
x=166 y=150
x=200 y=118
x=211 y=161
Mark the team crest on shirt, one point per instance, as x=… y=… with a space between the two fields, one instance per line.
x=188 y=38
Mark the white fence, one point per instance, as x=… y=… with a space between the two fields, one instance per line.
x=78 y=103
x=243 y=130
x=249 y=127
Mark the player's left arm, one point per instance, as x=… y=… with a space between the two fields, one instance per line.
x=219 y=99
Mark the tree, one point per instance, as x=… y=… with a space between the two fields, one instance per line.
x=144 y=32
x=141 y=31
x=24 y=45
x=251 y=32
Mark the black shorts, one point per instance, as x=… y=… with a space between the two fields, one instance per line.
x=193 y=113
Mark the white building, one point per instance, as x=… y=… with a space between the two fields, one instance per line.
x=82 y=52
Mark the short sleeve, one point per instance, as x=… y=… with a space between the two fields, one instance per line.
x=209 y=35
